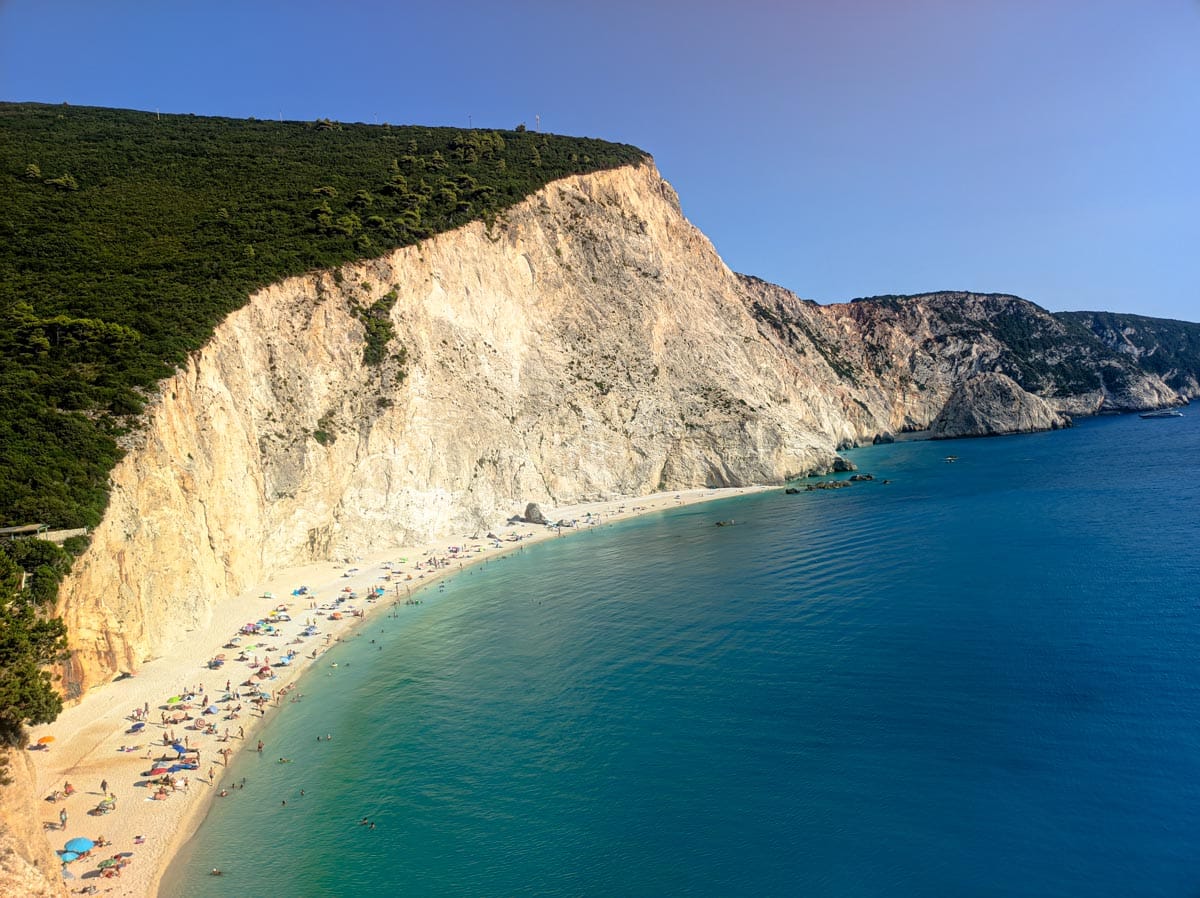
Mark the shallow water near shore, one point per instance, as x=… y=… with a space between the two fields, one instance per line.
x=979 y=679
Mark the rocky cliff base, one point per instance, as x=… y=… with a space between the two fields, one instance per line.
x=28 y=866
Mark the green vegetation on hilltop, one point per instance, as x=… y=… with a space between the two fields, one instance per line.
x=1162 y=346
x=125 y=238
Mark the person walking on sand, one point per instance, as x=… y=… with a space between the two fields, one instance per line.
x=103 y=787
x=212 y=775
x=62 y=818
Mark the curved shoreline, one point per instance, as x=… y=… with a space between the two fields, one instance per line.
x=90 y=732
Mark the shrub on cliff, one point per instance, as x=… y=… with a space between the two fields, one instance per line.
x=29 y=640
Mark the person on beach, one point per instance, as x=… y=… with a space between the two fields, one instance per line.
x=62 y=818
x=260 y=746
x=103 y=787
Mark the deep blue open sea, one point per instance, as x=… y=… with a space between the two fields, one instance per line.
x=981 y=679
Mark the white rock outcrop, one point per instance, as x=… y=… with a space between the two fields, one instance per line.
x=991 y=404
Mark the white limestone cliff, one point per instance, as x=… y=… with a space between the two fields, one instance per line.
x=589 y=344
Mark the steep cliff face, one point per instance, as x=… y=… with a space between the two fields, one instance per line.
x=902 y=359
x=591 y=343
x=28 y=868
x=922 y=348
x=980 y=402
x=1170 y=349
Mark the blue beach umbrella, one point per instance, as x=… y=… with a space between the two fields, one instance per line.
x=67 y=856
x=80 y=844
x=179 y=749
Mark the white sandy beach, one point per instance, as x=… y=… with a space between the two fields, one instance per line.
x=89 y=736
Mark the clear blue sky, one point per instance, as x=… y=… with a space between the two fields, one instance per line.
x=841 y=148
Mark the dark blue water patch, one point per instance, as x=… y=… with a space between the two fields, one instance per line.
x=978 y=679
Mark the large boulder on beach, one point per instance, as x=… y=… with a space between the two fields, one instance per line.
x=533 y=514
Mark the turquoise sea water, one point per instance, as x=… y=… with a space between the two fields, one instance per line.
x=981 y=679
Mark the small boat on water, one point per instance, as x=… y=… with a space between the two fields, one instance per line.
x=1162 y=413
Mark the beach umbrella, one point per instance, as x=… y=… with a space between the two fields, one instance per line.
x=174 y=698
x=67 y=856
x=107 y=862
x=80 y=844
x=179 y=749
x=45 y=740
x=157 y=771
x=212 y=709
x=136 y=727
